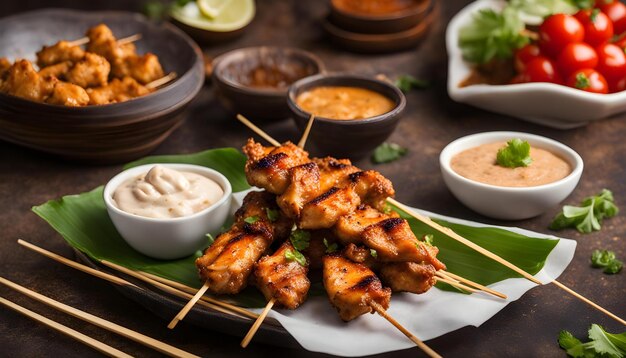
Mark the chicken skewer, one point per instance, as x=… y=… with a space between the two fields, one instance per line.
x=126 y=40
x=488 y=253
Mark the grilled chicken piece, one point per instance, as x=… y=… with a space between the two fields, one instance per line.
x=103 y=42
x=67 y=94
x=334 y=172
x=91 y=71
x=117 y=91
x=349 y=228
x=352 y=286
x=143 y=68
x=57 y=70
x=23 y=81
x=284 y=280
x=269 y=167
x=304 y=185
x=258 y=206
x=394 y=241
x=408 y=276
x=59 y=52
x=325 y=210
x=362 y=255
x=372 y=187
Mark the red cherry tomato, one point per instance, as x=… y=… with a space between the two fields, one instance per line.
x=621 y=41
x=541 y=69
x=576 y=56
x=588 y=80
x=618 y=86
x=557 y=31
x=616 y=11
x=611 y=63
x=519 y=78
x=525 y=55
x=598 y=27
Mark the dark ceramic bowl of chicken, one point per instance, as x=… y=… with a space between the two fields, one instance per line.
x=347 y=138
x=234 y=74
x=114 y=132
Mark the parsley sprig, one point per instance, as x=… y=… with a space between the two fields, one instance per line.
x=601 y=344
x=589 y=215
x=407 y=82
x=330 y=247
x=388 y=152
x=300 y=240
x=515 y=154
x=606 y=259
x=295 y=255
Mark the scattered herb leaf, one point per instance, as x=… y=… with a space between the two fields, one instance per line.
x=330 y=248
x=388 y=152
x=374 y=253
x=602 y=344
x=589 y=215
x=210 y=239
x=607 y=260
x=407 y=82
x=515 y=154
x=272 y=214
x=428 y=239
x=295 y=255
x=251 y=219
x=300 y=239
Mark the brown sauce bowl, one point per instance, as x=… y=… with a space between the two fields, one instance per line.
x=384 y=23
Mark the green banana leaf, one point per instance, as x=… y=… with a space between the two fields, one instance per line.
x=83 y=222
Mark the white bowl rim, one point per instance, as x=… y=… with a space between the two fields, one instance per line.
x=454 y=51
x=490 y=137
x=121 y=177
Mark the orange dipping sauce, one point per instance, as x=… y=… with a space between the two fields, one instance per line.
x=375 y=7
x=344 y=103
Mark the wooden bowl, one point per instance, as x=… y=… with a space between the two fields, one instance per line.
x=385 y=42
x=107 y=133
x=366 y=23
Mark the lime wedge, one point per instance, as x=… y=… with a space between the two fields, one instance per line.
x=212 y=8
x=234 y=15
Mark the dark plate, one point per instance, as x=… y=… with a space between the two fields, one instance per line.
x=110 y=133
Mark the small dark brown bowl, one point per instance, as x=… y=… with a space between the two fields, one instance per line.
x=347 y=138
x=109 y=133
x=259 y=103
x=209 y=37
x=378 y=23
x=384 y=42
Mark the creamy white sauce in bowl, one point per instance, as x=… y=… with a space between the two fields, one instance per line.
x=165 y=210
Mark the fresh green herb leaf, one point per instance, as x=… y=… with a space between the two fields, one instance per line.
x=428 y=239
x=572 y=345
x=330 y=248
x=272 y=214
x=582 y=81
x=543 y=8
x=492 y=35
x=602 y=344
x=300 y=239
x=155 y=9
x=407 y=82
x=251 y=219
x=374 y=253
x=615 y=266
x=388 y=152
x=210 y=239
x=589 y=215
x=601 y=258
x=295 y=255
x=515 y=154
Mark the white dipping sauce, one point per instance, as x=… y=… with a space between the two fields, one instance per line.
x=166 y=193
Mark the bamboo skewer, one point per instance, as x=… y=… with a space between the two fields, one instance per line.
x=161 y=81
x=255 y=327
x=305 y=135
x=179 y=317
x=85 y=40
x=450 y=275
x=456 y=284
x=91 y=342
x=258 y=130
x=100 y=322
x=588 y=301
x=381 y=311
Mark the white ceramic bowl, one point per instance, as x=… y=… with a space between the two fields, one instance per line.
x=509 y=203
x=169 y=238
x=544 y=103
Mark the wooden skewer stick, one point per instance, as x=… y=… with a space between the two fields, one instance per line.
x=450 y=275
x=75 y=265
x=258 y=130
x=100 y=322
x=381 y=311
x=499 y=259
x=221 y=307
x=161 y=81
x=93 y=343
x=179 y=317
x=85 y=40
x=305 y=135
x=255 y=327
x=456 y=284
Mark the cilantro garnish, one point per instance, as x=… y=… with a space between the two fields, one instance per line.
x=602 y=344
x=330 y=248
x=272 y=214
x=300 y=239
x=428 y=239
x=210 y=239
x=607 y=260
x=388 y=152
x=251 y=219
x=407 y=82
x=588 y=216
x=295 y=255
x=515 y=154
x=374 y=253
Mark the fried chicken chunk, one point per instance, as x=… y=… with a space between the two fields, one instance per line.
x=408 y=276
x=67 y=94
x=23 y=81
x=59 y=52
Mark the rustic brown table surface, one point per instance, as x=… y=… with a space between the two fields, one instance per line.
x=527 y=327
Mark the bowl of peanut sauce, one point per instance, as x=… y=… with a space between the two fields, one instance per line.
x=473 y=175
